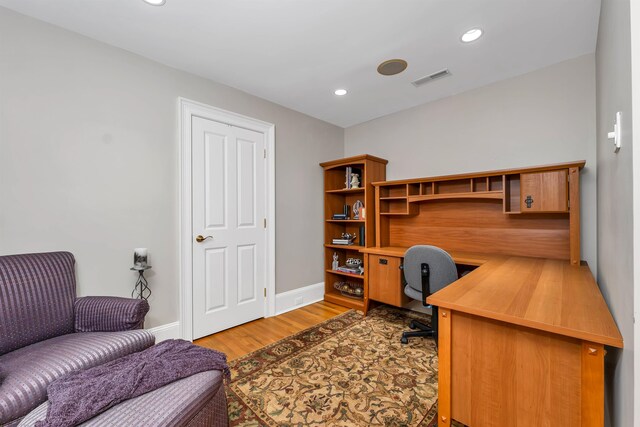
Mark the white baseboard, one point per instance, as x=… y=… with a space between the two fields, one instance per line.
x=285 y=301
x=166 y=332
x=297 y=298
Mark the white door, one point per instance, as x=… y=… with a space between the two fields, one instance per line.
x=228 y=206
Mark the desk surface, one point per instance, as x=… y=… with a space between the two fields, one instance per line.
x=544 y=294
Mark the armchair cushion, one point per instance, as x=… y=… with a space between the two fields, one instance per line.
x=29 y=370
x=109 y=314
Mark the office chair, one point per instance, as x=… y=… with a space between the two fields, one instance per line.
x=427 y=269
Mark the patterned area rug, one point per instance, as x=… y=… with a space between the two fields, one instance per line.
x=347 y=371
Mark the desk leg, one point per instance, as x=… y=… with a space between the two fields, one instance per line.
x=444 y=367
x=592 y=385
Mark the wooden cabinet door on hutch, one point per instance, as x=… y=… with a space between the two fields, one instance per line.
x=544 y=191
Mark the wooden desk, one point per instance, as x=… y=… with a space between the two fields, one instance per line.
x=521 y=338
x=521 y=342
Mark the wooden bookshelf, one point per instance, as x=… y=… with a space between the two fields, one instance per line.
x=336 y=195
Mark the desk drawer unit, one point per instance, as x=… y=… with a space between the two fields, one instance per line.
x=385 y=280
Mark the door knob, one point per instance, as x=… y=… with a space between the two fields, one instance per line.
x=200 y=238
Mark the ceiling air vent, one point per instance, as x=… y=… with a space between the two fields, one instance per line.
x=431 y=77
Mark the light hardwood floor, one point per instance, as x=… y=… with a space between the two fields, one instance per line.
x=244 y=339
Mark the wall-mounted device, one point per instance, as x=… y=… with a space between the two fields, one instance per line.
x=617 y=133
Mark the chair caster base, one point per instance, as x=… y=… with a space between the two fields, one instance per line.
x=404 y=340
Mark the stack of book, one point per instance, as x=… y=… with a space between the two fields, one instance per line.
x=339 y=216
x=350 y=270
x=342 y=242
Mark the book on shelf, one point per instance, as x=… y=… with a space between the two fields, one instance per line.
x=350 y=270
x=342 y=242
x=339 y=216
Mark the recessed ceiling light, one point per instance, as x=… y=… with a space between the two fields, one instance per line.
x=471 y=35
x=340 y=92
x=155 y=2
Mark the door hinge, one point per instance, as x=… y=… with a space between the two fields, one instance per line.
x=265 y=292
x=265 y=153
x=265 y=223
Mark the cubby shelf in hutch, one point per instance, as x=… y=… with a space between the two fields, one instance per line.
x=336 y=195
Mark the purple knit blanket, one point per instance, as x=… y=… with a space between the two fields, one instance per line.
x=82 y=395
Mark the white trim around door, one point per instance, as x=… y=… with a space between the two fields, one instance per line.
x=188 y=109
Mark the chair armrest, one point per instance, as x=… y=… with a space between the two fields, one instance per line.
x=109 y=314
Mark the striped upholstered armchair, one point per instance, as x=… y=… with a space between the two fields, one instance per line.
x=46 y=332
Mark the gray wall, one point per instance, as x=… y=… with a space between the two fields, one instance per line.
x=89 y=157
x=547 y=116
x=615 y=201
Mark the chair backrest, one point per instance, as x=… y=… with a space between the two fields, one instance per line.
x=442 y=269
x=37 y=293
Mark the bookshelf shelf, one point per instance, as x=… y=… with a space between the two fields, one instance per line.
x=346 y=247
x=346 y=191
x=350 y=275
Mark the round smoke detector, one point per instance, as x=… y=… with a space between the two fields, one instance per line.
x=392 y=67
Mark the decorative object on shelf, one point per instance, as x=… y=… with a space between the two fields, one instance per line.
x=335 y=264
x=355 y=180
x=350 y=289
x=362 y=213
x=140 y=257
x=354 y=262
x=352 y=177
x=357 y=206
x=352 y=266
x=141 y=289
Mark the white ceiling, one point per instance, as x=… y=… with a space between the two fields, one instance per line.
x=297 y=52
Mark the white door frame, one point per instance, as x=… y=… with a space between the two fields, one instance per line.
x=187 y=109
x=635 y=125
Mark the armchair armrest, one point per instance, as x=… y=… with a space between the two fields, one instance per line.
x=109 y=314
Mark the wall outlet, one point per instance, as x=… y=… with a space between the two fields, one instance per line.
x=299 y=300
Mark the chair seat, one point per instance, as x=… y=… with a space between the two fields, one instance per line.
x=29 y=370
x=412 y=293
x=198 y=400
